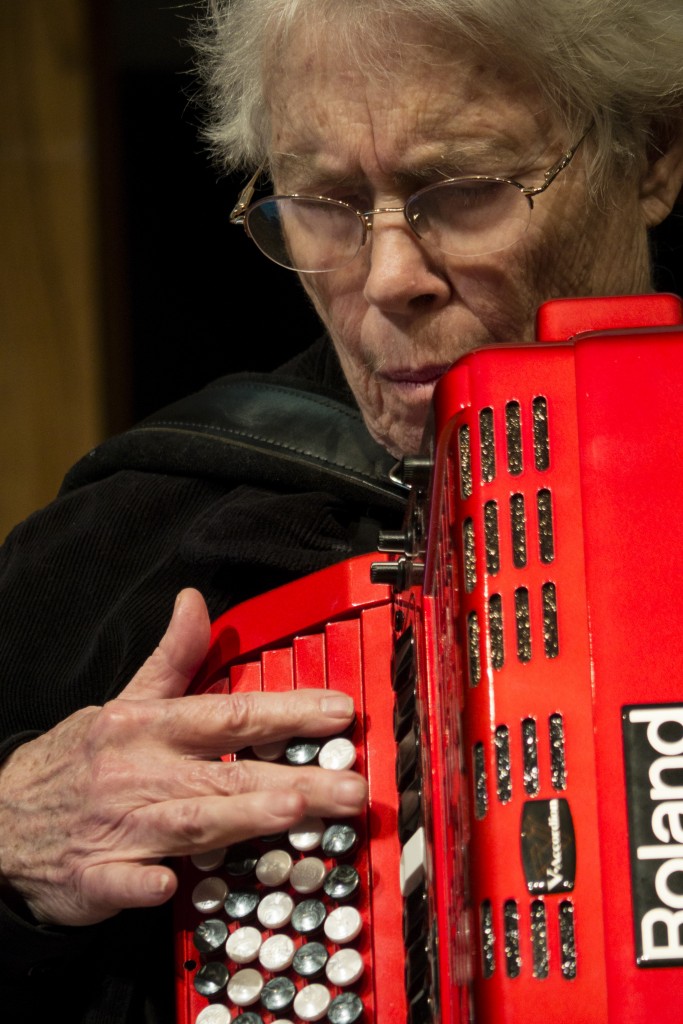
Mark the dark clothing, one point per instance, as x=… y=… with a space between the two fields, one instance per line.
x=88 y=585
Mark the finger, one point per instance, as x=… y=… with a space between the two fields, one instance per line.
x=181 y=827
x=182 y=649
x=210 y=725
x=325 y=792
x=110 y=887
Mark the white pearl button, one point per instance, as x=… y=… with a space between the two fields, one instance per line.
x=277 y=953
x=209 y=895
x=307 y=875
x=344 y=967
x=243 y=945
x=275 y=910
x=337 y=754
x=215 y=1014
x=311 y=1002
x=245 y=987
x=343 y=924
x=274 y=867
x=306 y=835
x=209 y=861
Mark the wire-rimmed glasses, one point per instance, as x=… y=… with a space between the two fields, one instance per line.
x=471 y=216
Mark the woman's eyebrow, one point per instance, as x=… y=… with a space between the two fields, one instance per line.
x=473 y=156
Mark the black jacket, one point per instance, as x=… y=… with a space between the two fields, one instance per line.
x=247 y=485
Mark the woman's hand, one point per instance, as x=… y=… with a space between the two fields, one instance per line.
x=90 y=809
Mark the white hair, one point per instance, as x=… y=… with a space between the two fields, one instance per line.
x=617 y=64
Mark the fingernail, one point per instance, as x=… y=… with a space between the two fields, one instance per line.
x=336 y=705
x=158 y=883
x=351 y=793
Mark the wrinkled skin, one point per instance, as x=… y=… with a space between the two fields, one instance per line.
x=89 y=809
x=402 y=311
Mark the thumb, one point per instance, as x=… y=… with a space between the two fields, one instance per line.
x=168 y=671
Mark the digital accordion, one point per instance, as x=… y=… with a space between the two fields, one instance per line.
x=516 y=666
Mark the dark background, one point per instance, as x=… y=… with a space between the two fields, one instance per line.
x=188 y=298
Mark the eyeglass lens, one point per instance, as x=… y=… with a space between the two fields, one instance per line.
x=469 y=217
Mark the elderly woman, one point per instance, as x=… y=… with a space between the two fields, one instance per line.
x=440 y=168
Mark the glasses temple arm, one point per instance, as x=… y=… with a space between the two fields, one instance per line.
x=245 y=197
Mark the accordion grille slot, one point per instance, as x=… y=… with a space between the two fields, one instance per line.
x=481 y=799
x=506 y=769
x=551 y=640
x=539 y=415
x=469 y=556
x=518 y=527
x=487 y=445
x=496 y=638
x=465 y=461
x=488 y=963
x=539 y=940
x=546 y=537
x=558 y=757
x=567 y=939
x=538 y=933
x=473 y=648
x=513 y=960
x=492 y=537
x=530 y=774
x=523 y=624
x=503 y=765
x=513 y=437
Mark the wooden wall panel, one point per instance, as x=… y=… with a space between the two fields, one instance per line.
x=50 y=331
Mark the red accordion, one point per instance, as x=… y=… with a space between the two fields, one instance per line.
x=520 y=717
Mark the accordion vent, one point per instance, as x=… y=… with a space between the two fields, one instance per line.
x=511 y=527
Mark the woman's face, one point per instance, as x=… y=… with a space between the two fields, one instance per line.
x=402 y=311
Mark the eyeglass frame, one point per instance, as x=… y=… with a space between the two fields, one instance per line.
x=244 y=204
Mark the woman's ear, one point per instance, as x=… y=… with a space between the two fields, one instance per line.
x=662 y=179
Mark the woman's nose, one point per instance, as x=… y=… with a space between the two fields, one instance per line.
x=404 y=275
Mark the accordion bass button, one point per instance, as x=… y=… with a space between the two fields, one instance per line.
x=274 y=868
x=210 y=935
x=245 y=987
x=342 y=883
x=344 y=967
x=241 y=905
x=278 y=994
x=310 y=960
x=343 y=924
x=277 y=953
x=307 y=834
x=339 y=840
x=209 y=895
x=308 y=875
x=216 y=1013
x=211 y=978
x=346 y=1008
x=312 y=1002
x=308 y=916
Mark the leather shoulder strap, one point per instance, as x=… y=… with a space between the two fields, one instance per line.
x=259 y=429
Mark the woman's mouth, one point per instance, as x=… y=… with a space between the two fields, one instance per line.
x=418 y=379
